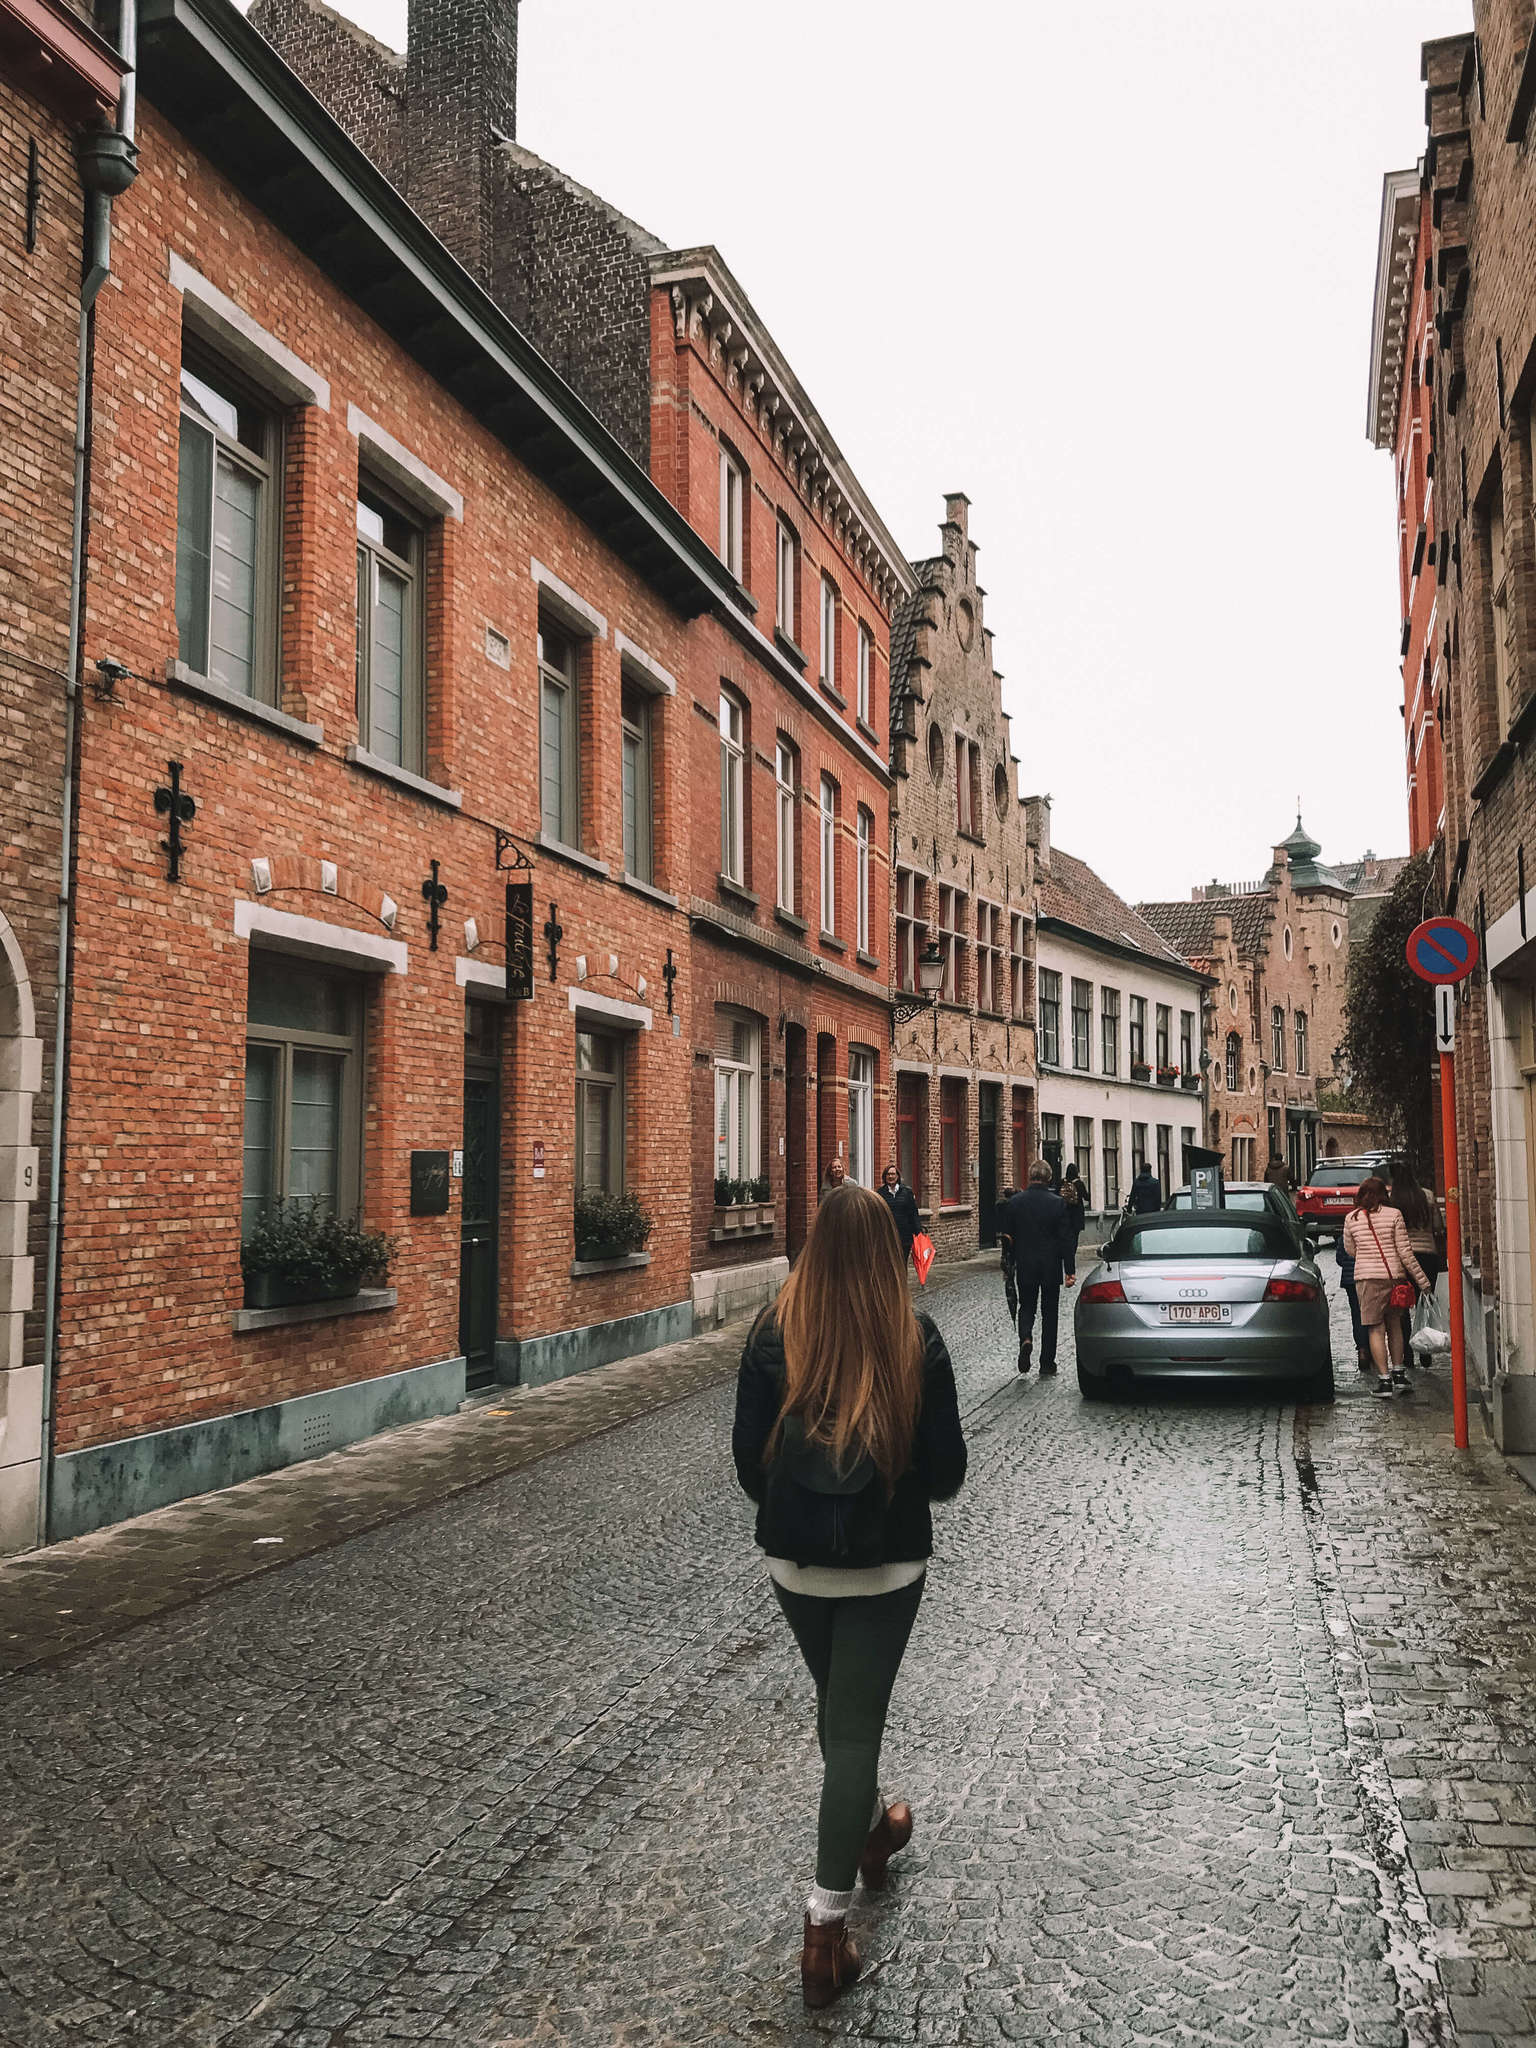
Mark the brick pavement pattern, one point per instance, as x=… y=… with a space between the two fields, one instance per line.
x=1212 y=1722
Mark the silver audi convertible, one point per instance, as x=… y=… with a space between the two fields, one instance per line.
x=1204 y=1294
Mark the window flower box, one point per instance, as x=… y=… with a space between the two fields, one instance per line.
x=1189 y=1083
x=610 y=1226
x=737 y=1220
x=300 y=1251
x=278 y=1290
x=1167 y=1077
x=1140 y=1070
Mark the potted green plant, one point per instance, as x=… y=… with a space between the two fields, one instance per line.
x=1141 y=1070
x=610 y=1226
x=302 y=1251
x=725 y=1191
x=760 y=1188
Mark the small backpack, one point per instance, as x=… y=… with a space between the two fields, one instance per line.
x=815 y=1514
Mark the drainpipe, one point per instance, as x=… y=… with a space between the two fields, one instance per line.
x=108 y=160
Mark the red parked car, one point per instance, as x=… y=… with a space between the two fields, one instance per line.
x=1329 y=1194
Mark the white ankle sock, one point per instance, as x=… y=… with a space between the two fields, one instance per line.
x=823 y=1905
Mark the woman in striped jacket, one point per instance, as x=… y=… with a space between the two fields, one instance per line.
x=1376 y=1238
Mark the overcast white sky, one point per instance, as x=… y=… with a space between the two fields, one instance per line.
x=1107 y=269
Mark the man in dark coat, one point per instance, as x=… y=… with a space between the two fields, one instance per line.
x=1146 y=1192
x=902 y=1203
x=1040 y=1238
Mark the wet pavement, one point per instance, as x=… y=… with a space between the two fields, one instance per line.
x=1216 y=1721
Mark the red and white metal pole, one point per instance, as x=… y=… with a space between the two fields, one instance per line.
x=1453 y=1249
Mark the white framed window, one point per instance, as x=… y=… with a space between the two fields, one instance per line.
x=861 y=1115
x=390 y=655
x=786 y=796
x=1301 y=1041
x=1109 y=1033
x=559 y=737
x=1048 y=1018
x=1018 y=967
x=738 y=1071
x=638 y=794
x=599 y=1113
x=989 y=958
x=953 y=944
x=866 y=826
x=911 y=926
x=1277 y=1038
x=828 y=855
x=303 y=1087
x=228 y=536
x=732 y=788
x=784 y=586
x=829 y=632
x=731 y=498
x=866 y=664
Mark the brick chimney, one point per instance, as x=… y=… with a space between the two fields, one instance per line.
x=1037 y=830
x=460 y=96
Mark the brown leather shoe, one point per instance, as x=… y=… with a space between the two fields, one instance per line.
x=892 y=1831
x=829 y=1962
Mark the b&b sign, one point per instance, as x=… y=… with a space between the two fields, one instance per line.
x=519 y=942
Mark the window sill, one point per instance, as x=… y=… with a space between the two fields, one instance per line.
x=954 y=1208
x=837 y=945
x=868 y=731
x=965 y=832
x=573 y=854
x=367 y=1301
x=375 y=764
x=786 y=646
x=866 y=959
x=650 y=891
x=739 y=891
x=180 y=677
x=832 y=692
x=788 y=917
x=583 y=1269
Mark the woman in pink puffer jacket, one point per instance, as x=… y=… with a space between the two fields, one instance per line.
x=1376 y=1238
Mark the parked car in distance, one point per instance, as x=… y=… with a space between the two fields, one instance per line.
x=1328 y=1194
x=1255 y=1197
x=1204 y=1294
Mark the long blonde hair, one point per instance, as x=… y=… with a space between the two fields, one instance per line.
x=853 y=1351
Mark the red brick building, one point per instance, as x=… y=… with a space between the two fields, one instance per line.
x=58 y=81
x=787 y=890
x=403 y=622
x=1479 y=369
x=1400 y=420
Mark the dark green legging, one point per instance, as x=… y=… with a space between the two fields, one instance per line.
x=853 y=1650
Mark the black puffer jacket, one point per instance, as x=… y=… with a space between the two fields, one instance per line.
x=828 y=1524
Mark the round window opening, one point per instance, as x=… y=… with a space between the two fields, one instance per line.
x=965 y=624
x=1337 y=933
x=1232 y=995
x=1253 y=1077
x=1286 y=941
x=1000 y=788
x=935 y=752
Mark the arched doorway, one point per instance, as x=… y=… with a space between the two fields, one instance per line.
x=21 y=1385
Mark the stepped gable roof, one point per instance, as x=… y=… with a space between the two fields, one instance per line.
x=1188 y=927
x=1073 y=894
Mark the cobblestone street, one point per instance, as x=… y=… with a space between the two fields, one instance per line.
x=1216 y=1723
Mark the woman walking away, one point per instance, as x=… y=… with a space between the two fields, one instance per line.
x=846 y=1428
x=1419 y=1211
x=1376 y=1238
x=1075 y=1195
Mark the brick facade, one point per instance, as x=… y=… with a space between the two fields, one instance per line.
x=1278 y=953
x=1479 y=365
x=963 y=875
x=46 y=94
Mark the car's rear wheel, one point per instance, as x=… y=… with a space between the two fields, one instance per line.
x=1317 y=1391
x=1091 y=1386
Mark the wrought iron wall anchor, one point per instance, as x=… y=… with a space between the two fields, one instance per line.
x=669 y=975
x=434 y=895
x=173 y=800
x=506 y=844
x=554 y=932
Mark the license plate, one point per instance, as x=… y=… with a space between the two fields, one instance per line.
x=1196 y=1312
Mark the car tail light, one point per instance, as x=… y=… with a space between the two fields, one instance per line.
x=1290 y=1290
x=1103 y=1290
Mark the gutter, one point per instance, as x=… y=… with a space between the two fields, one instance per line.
x=108 y=160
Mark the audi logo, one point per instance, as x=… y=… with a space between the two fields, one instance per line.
x=1192 y=1293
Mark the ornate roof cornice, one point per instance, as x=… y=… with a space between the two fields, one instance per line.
x=710 y=310
x=1396 y=245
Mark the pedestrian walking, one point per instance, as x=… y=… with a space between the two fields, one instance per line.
x=1075 y=1196
x=1421 y=1216
x=1347 y=1281
x=1279 y=1175
x=1376 y=1238
x=833 y=1177
x=847 y=1426
x=1044 y=1249
x=1146 y=1194
x=902 y=1203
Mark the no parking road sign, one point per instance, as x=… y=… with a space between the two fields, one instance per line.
x=1442 y=949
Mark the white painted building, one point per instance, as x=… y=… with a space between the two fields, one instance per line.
x=1118 y=1037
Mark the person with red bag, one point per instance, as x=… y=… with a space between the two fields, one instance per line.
x=902 y=1203
x=1386 y=1274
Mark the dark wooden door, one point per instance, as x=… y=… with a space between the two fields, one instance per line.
x=480 y=1196
x=986 y=1166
